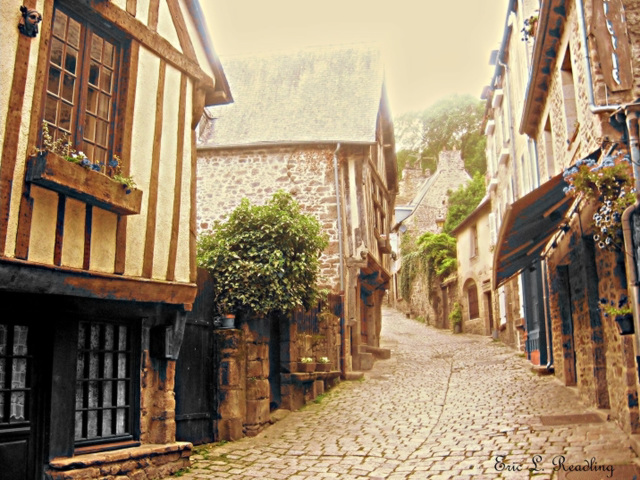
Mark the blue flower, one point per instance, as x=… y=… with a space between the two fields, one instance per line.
x=85 y=162
x=95 y=167
x=113 y=163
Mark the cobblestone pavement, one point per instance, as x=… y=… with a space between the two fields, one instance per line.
x=443 y=407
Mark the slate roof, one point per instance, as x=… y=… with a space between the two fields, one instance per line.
x=329 y=94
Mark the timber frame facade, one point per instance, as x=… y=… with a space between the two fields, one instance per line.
x=96 y=277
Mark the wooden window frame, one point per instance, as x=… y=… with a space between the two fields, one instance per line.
x=132 y=379
x=92 y=22
x=474 y=306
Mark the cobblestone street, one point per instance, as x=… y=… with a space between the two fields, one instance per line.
x=443 y=407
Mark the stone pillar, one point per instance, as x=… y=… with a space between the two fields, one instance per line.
x=157 y=400
x=230 y=364
x=256 y=333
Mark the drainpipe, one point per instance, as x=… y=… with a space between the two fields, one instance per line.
x=627 y=231
x=582 y=25
x=340 y=253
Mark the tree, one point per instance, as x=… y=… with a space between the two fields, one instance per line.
x=463 y=201
x=453 y=122
x=264 y=259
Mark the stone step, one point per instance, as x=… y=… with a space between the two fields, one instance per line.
x=353 y=375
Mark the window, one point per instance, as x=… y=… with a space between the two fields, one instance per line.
x=473 y=241
x=548 y=148
x=14 y=370
x=472 y=300
x=80 y=100
x=569 y=96
x=104 y=384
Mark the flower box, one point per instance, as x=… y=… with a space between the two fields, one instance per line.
x=323 y=367
x=54 y=172
x=304 y=367
x=625 y=324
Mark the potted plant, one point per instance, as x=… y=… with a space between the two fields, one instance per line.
x=306 y=365
x=323 y=365
x=455 y=317
x=622 y=314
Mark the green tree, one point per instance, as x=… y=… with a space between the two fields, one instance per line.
x=463 y=201
x=453 y=122
x=264 y=259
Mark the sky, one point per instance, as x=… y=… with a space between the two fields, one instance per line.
x=431 y=49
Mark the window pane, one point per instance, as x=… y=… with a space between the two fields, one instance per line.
x=101 y=132
x=94 y=73
x=103 y=106
x=57 y=48
x=70 y=61
x=66 y=114
x=107 y=57
x=17 y=407
x=20 y=340
x=105 y=84
x=50 y=110
x=59 y=24
x=3 y=340
x=53 y=84
x=92 y=100
x=89 y=128
x=74 y=33
x=96 y=47
x=68 y=87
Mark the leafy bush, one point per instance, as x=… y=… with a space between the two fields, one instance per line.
x=432 y=254
x=463 y=201
x=264 y=259
x=455 y=315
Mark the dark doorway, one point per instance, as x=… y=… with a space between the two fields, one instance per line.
x=274 y=362
x=195 y=381
x=566 y=318
x=488 y=305
x=20 y=399
x=536 y=345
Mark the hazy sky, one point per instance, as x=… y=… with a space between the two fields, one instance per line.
x=431 y=48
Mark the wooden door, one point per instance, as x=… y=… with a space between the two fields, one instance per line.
x=18 y=403
x=195 y=376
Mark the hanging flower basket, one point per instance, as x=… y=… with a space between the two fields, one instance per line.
x=51 y=171
x=609 y=185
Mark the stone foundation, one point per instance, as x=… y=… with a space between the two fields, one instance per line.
x=146 y=462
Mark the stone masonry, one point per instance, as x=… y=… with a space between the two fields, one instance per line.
x=304 y=171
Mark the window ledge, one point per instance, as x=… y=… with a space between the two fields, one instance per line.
x=116 y=456
x=55 y=173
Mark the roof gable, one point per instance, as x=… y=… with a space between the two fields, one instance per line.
x=314 y=95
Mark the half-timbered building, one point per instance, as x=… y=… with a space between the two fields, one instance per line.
x=97 y=274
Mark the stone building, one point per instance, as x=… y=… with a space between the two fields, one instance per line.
x=580 y=111
x=314 y=123
x=519 y=304
x=475 y=260
x=424 y=208
x=96 y=276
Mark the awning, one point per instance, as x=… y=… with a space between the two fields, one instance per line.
x=527 y=226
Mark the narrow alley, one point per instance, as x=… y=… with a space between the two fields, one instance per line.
x=443 y=407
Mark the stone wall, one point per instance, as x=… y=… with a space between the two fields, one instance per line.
x=226 y=176
x=147 y=462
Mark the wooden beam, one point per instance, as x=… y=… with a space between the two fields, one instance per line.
x=154 y=42
x=152 y=205
x=193 y=228
x=177 y=189
x=25 y=216
x=29 y=277
x=132 y=7
x=57 y=250
x=88 y=223
x=154 y=12
x=125 y=112
x=12 y=129
x=181 y=30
